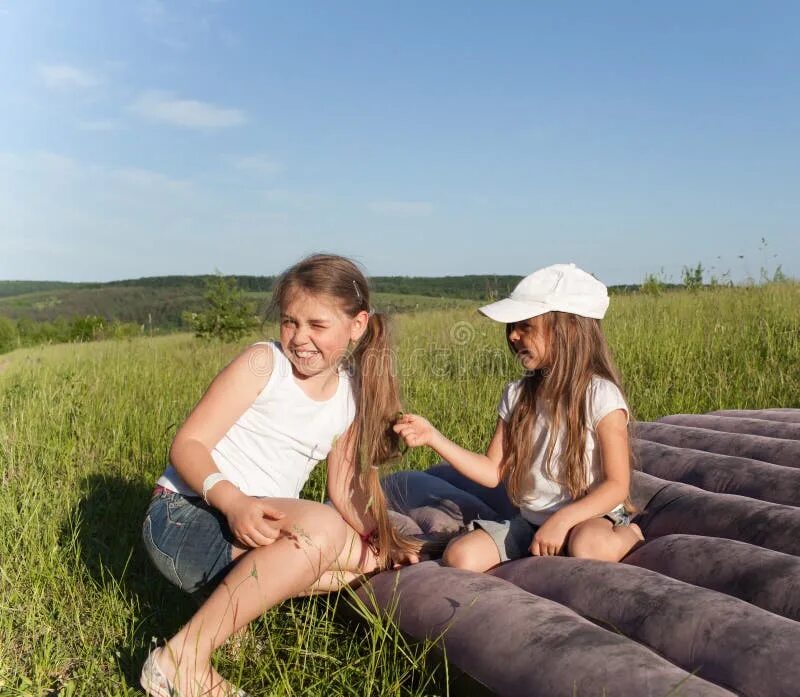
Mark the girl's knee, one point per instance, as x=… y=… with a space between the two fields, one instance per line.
x=319 y=528
x=587 y=542
x=593 y=540
x=454 y=555
x=463 y=553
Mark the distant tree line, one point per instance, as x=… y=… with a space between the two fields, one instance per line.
x=181 y=288
x=227 y=307
x=11 y=288
x=476 y=287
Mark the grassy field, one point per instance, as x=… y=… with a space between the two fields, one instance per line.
x=85 y=429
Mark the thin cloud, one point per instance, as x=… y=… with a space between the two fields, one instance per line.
x=67 y=77
x=186 y=113
x=258 y=164
x=298 y=200
x=133 y=177
x=402 y=209
x=101 y=125
x=48 y=165
x=53 y=162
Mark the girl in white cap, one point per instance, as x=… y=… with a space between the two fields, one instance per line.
x=561 y=445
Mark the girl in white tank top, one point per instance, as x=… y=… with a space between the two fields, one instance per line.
x=225 y=517
x=274 y=445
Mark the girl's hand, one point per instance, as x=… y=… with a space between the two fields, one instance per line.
x=549 y=539
x=250 y=520
x=415 y=430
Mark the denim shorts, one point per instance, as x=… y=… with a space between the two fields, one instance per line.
x=189 y=541
x=513 y=537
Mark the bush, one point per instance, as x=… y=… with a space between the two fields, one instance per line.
x=652 y=285
x=88 y=328
x=693 y=277
x=229 y=316
x=9 y=339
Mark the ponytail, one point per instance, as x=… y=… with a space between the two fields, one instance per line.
x=376 y=443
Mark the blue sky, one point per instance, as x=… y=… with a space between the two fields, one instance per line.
x=144 y=138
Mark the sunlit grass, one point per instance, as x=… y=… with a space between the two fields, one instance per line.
x=85 y=429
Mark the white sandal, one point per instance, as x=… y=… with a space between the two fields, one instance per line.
x=153 y=680
x=155 y=683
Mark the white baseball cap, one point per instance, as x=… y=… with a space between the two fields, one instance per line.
x=561 y=287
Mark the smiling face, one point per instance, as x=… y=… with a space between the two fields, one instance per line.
x=315 y=332
x=530 y=341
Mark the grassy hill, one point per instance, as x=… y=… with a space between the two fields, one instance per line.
x=11 y=288
x=160 y=306
x=163 y=307
x=160 y=301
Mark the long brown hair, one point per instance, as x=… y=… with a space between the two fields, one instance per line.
x=373 y=442
x=577 y=351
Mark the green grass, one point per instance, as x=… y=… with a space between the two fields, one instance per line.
x=85 y=429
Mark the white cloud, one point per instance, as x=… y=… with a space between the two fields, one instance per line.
x=294 y=199
x=50 y=162
x=402 y=209
x=100 y=125
x=259 y=164
x=187 y=113
x=67 y=77
x=278 y=195
x=136 y=178
x=54 y=167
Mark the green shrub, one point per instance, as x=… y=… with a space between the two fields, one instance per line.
x=229 y=316
x=88 y=328
x=652 y=285
x=693 y=277
x=9 y=339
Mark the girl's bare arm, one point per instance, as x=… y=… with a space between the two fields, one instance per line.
x=483 y=469
x=227 y=398
x=344 y=488
x=612 y=434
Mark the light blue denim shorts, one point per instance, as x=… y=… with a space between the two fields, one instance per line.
x=513 y=537
x=188 y=541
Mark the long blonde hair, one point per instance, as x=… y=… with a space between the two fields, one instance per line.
x=374 y=444
x=577 y=351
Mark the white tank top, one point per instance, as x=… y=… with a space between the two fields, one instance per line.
x=547 y=496
x=274 y=445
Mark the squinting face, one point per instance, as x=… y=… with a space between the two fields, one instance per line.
x=530 y=341
x=315 y=332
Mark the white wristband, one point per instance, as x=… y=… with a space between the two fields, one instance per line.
x=210 y=481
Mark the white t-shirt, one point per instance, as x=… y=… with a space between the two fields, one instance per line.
x=547 y=496
x=274 y=445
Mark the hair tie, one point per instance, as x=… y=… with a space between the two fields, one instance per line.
x=371 y=310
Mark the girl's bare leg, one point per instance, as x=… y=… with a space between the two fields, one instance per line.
x=597 y=538
x=475 y=551
x=313 y=537
x=355 y=560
